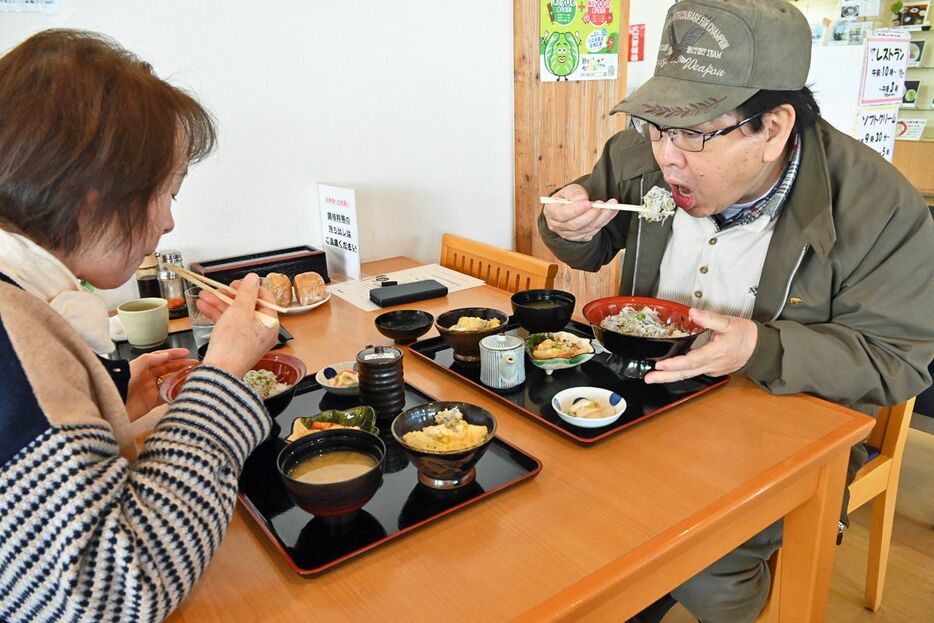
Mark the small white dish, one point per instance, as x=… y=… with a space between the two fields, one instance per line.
x=295 y=308
x=331 y=371
x=564 y=398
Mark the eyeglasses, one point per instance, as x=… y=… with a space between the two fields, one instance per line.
x=683 y=138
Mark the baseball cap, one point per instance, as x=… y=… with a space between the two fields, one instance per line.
x=716 y=54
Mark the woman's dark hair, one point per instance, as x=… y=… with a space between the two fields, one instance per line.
x=807 y=112
x=86 y=128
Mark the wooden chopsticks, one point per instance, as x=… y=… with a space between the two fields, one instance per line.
x=221 y=291
x=597 y=204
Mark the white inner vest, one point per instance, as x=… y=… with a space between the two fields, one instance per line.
x=714 y=270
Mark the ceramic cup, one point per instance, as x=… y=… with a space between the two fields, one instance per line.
x=502 y=361
x=146 y=321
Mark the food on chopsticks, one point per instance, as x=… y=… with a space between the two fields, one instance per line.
x=561 y=345
x=344 y=378
x=309 y=288
x=642 y=322
x=264 y=383
x=659 y=203
x=281 y=288
x=473 y=323
x=587 y=408
x=449 y=432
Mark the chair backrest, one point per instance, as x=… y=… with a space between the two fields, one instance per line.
x=500 y=268
x=889 y=427
x=888 y=439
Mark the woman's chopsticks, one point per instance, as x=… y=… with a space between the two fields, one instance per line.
x=221 y=291
x=597 y=204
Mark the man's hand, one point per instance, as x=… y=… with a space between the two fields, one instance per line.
x=578 y=221
x=731 y=344
x=146 y=373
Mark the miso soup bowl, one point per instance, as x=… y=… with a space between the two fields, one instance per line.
x=333 y=499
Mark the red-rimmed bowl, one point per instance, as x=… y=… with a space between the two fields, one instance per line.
x=287 y=368
x=642 y=352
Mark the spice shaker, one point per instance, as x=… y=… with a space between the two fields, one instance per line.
x=147 y=278
x=172 y=288
x=381 y=383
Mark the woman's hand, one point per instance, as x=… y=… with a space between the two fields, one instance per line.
x=146 y=373
x=578 y=221
x=239 y=339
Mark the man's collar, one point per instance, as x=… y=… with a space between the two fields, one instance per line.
x=809 y=202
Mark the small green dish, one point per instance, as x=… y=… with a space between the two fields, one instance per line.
x=555 y=363
x=363 y=417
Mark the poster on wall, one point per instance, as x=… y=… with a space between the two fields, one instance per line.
x=885 y=63
x=579 y=40
x=915 y=52
x=876 y=127
x=914 y=13
x=338 y=209
x=910 y=129
x=910 y=97
x=28 y=6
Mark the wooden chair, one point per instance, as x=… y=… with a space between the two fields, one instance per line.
x=877 y=481
x=500 y=268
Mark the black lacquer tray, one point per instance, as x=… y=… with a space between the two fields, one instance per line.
x=533 y=397
x=180 y=339
x=311 y=545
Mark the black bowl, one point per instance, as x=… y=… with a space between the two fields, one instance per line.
x=543 y=311
x=466 y=344
x=443 y=470
x=404 y=325
x=641 y=353
x=335 y=499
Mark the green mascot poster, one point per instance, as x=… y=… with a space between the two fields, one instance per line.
x=579 y=40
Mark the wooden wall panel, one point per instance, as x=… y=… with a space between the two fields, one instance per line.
x=915 y=159
x=560 y=129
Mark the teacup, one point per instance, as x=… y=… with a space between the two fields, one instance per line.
x=146 y=321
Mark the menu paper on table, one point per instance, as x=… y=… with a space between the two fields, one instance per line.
x=358 y=292
x=338 y=209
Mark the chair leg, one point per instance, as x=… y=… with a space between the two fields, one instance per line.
x=880 y=539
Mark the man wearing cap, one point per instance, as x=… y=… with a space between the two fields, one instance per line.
x=809 y=257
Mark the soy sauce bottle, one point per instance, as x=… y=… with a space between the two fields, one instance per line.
x=147 y=278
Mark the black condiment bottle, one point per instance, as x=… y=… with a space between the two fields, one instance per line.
x=147 y=278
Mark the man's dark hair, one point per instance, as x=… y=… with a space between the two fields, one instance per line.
x=807 y=112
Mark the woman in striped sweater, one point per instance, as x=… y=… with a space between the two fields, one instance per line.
x=93 y=148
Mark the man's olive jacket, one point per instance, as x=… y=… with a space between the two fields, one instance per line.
x=845 y=304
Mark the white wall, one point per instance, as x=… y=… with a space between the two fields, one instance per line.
x=409 y=103
x=652 y=14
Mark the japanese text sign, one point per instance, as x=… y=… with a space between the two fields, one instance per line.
x=884 y=67
x=339 y=230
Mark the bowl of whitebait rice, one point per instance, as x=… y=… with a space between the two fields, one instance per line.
x=641 y=329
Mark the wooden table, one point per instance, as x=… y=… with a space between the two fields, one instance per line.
x=600 y=533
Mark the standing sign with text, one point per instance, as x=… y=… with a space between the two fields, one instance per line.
x=885 y=64
x=876 y=128
x=339 y=229
x=579 y=40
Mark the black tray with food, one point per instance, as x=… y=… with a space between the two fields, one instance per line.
x=533 y=397
x=180 y=339
x=311 y=545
